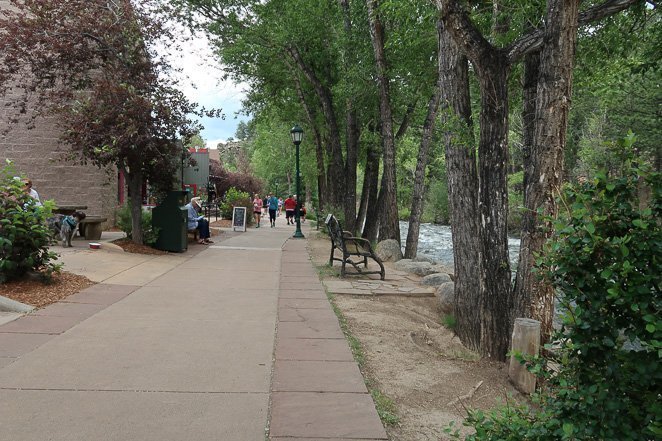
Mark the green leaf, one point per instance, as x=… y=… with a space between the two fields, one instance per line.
x=640 y=224
x=624 y=251
x=650 y=328
x=568 y=429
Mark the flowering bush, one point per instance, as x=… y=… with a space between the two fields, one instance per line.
x=236 y=198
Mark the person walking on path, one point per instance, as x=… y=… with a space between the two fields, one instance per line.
x=290 y=205
x=302 y=213
x=273 y=207
x=280 y=206
x=197 y=222
x=257 y=209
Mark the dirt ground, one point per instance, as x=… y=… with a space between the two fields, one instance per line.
x=415 y=361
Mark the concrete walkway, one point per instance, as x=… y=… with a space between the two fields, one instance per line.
x=235 y=341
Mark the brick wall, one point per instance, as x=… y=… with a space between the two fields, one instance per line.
x=37 y=154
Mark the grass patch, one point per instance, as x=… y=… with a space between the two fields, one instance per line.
x=449 y=321
x=385 y=408
x=327 y=271
x=459 y=354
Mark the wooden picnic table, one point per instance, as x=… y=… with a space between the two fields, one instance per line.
x=68 y=210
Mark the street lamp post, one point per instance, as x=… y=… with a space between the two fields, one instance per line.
x=297 y=136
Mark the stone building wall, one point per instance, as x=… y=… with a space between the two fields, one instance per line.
x=37 y=153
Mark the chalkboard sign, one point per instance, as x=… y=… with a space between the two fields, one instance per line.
x=239 y=219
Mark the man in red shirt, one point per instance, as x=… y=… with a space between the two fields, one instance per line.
x=290 y=205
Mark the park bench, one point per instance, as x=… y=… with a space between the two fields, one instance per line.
x=350 y=246
x=90 y=227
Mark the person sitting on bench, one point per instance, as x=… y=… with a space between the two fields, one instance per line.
x=197 y=222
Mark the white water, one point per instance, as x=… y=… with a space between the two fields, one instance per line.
x=436 y=241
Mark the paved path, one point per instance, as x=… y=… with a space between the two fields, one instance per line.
x=228 y=342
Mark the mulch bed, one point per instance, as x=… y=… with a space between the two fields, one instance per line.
x=39 y=294
x=221 y=223
x=130 y=247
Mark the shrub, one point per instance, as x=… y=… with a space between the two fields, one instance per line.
x=604 y=261
x=24 y=233
x=236 y=198
x=150 y=234
x=436 y=207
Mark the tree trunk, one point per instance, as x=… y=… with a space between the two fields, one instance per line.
x=319 y=148
x=534 y=298
x=370 y=182
x=492 y=68
x=462 y=178
x=531 y=73
x=352 y=148
x=352 y=138
x=134 y=180
x=406 y=119
x=336 y=172
x=494 y=272
x=390 y=227
x=418 y=193
x=371 y=186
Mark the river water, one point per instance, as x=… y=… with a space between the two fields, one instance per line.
x=436 y=241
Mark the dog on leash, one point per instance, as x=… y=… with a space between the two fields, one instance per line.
x=65 y=226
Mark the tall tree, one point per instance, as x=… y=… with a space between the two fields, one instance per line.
x=389 y=227
x=492 y=66
x=418 y=194
x=272 y=45
x=462 y=176
x=534 y=298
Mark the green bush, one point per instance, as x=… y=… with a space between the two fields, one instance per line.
x=604 y=261
x=150 y=234
x=436 y=209
x=236 y=198
x=24 y=233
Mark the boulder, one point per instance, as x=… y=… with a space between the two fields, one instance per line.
x=389 y=250
x=418 y=268
x=422 y=268
x=444 y=269
x=402 y=264
x=435 y=279
x=445 y=296
x=438 y=268
x=423 y=258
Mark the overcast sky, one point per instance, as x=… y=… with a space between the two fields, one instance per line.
x=211 y=91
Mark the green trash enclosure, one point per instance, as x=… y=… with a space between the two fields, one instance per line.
x=170 y=220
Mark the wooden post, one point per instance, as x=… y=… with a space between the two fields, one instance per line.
x=526 y=340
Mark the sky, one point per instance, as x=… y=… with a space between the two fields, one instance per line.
x=206 y=87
